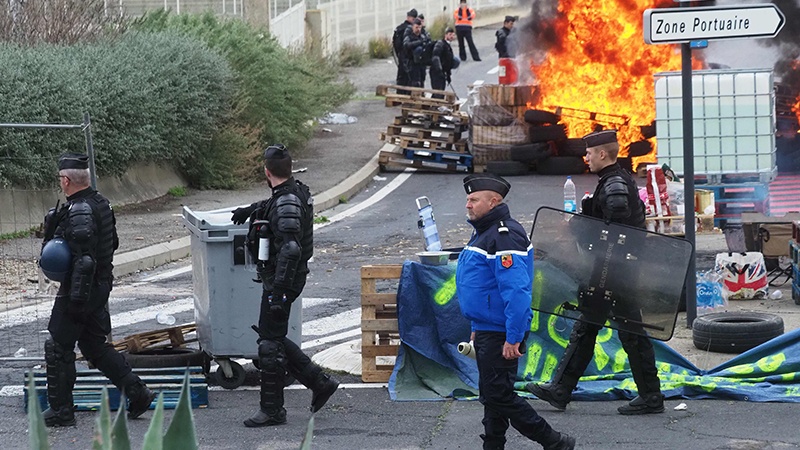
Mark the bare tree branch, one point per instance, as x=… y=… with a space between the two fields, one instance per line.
x=30 y=22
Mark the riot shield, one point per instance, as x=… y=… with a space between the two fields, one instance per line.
x=608 y=274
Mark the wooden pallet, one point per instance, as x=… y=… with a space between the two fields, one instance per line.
x=389 y=159
x=89 y=386
x=422 y=105
x=442 y=157
x=434 y=145
x=424 y=123
x=435 y=115
x=173 y=337
x=386 y=90
x=379 y=331
x=449 y=136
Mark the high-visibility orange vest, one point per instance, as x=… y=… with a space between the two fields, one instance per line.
x=464 y=16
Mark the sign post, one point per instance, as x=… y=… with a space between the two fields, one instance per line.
x=685 y=26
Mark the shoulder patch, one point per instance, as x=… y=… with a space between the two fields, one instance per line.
x=507 y=260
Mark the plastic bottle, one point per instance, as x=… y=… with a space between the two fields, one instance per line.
x=570 y=204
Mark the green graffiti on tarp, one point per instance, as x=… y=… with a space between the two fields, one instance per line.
x=446 y=291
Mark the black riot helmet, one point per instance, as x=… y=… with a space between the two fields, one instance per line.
x=56 y=259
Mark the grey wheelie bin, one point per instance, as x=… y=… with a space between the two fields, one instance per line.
x=226 y=299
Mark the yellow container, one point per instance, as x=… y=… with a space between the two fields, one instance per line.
x=702 y=200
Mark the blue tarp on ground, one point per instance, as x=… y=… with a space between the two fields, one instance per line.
x=429 y=367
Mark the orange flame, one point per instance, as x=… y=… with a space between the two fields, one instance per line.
x=603 y=65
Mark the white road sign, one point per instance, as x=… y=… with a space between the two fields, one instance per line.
x=675 y=25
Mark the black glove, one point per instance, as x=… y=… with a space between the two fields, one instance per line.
x=447 y=78
x=242 y=215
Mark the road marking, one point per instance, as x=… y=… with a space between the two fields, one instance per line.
x=375 y=198
x=332 y=338
x=149 y=312
x=330 y=324
x=164 y=275
x=296 y=387
x=494 y=70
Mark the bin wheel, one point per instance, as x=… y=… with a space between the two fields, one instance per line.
x=235 y=381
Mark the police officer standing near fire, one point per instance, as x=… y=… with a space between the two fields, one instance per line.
x=285 y=224
x=615 y=199
x=503 y=44
x=493 y=282
x=85 y=224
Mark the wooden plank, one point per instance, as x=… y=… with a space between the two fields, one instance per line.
x=379 y=324
x=379 y=350
x=376 y=376
x=382 y=271
x=378 y=299
x=414 y=92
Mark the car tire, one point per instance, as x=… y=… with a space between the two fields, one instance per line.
x=735 y=332
x=540 y=117
x=639 y=148
x=530 y=152
x=556 y=133
x=561 y=165
x=507 y=168
x=572 y=147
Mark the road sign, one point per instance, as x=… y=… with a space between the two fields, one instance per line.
x=698 y=44
x=677 y=25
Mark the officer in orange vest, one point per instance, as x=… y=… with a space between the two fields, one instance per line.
x=464 y=16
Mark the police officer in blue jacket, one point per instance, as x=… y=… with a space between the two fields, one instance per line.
x=493 y=282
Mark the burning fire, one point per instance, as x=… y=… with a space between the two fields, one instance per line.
x=600 y=63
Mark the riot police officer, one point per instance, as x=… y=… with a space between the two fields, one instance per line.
x=415 y=43
x=615 y=199
x=443 y=62
x=86 y=223
x=284 y=224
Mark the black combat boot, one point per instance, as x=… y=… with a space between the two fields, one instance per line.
x=323 y=389
x=493 y=442
x=139 y=398
x=644 y=404
x=560 y=441
x=557 y=395
x=271 y=411
x=310 y=375
x=60 y=367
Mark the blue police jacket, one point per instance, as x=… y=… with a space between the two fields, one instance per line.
x=494 y=276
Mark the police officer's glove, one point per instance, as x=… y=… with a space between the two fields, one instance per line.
x=242 y=215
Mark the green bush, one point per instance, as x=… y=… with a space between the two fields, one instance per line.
x=278 y=91
x=440 y=23
x=352 y=55
x=152 y=97
x=380 y=47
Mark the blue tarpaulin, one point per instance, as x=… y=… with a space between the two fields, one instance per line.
x=429 y=367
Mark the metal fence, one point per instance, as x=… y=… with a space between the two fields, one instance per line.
x=220 y=7
x=26 y=296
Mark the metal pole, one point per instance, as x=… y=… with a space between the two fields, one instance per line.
x=688 y=178
x=87 y=134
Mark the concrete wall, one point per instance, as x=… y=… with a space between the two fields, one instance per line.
x=23 y=209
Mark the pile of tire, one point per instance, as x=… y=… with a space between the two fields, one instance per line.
x=548 y=151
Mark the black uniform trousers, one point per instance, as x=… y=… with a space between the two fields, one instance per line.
x=501 y=405
x=89 y=329
x=641 y=357
x=273 y=324
x=464 y=32
x=403 y=79
x=438 y=81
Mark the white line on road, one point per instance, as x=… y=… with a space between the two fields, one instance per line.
x=149 y=312
x=332 y=338
x=300 y=386
x=164 y=275
x=375 y=198
x=330 y=324
x=494 y=70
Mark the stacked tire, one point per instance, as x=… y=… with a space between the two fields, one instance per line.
x=549 y=150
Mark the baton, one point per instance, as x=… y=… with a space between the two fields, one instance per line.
x=454 y=90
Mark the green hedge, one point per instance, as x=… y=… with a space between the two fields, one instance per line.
x=278 y=91
x=152 y=97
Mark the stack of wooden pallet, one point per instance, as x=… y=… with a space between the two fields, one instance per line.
x=430 y=132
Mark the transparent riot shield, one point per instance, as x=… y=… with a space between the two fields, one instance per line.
x=608 y=274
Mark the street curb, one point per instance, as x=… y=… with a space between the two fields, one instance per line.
x=162 y=253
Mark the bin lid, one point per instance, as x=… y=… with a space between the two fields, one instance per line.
x=219 y=219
